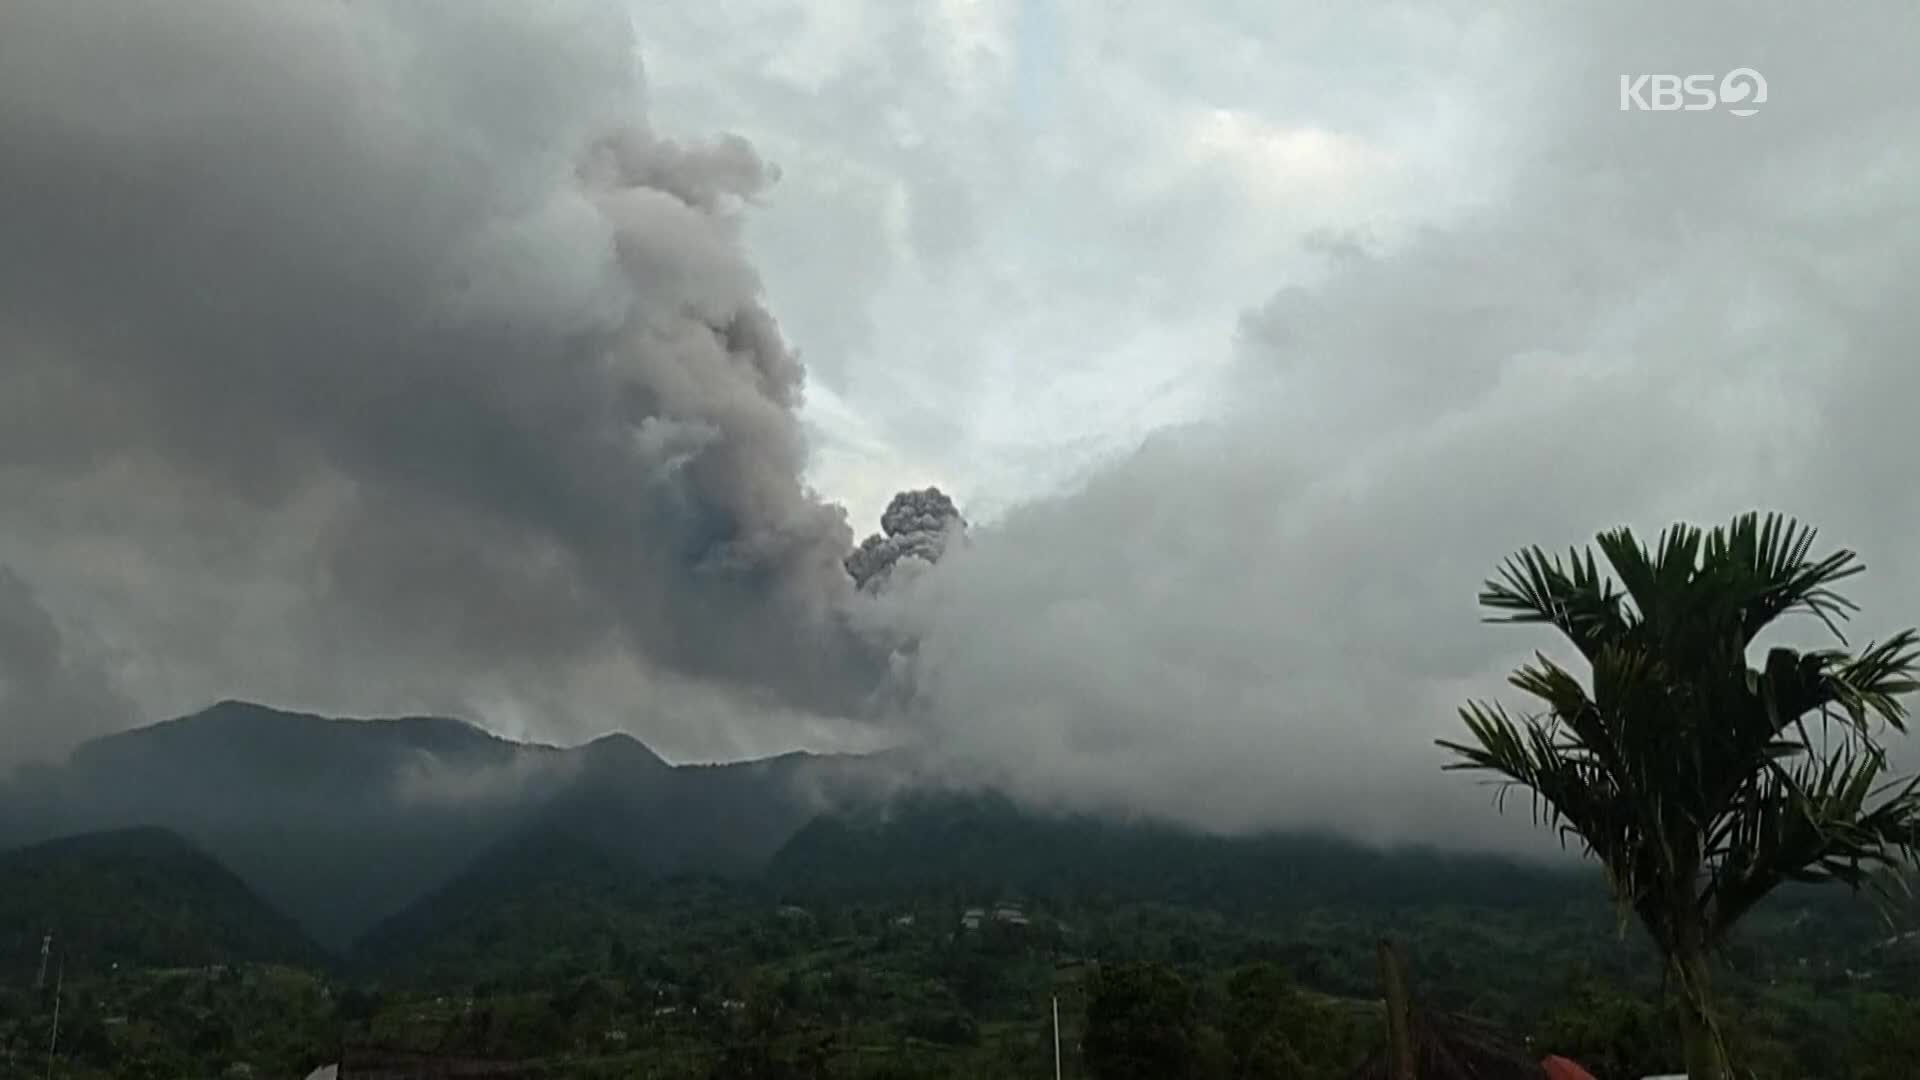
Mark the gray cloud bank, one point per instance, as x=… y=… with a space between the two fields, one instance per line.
x=64 y=687
x=1651 y=317
x=369 y=365
x=398 y=322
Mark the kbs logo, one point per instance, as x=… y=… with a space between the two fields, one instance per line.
x=1740 y=91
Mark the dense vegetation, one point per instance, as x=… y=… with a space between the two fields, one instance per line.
x=848 y=961
x=135 y=898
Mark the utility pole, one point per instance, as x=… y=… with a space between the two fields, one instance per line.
x=40 y=981
x=1393 y=981
x=53 y=1040
x=1056 y=1037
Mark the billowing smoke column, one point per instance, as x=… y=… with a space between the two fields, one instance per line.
x=917 y=525
x=401 y=323
x=706 y=404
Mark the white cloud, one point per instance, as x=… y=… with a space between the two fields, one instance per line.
x=1278 y=164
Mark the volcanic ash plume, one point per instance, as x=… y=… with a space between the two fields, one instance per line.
x=415 y=293
x=917 y=525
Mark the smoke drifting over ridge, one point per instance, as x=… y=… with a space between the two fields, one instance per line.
x=1267 y=617
x=399 y=321
x=1270 y=617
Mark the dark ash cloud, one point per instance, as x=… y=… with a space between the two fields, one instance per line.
x=419 y=288
x=917 y=524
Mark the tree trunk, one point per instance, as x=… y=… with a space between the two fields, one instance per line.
x=1699 y=1034
x=1688 y=972
x=1393 y=984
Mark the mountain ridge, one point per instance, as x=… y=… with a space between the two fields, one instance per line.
x=346 y=822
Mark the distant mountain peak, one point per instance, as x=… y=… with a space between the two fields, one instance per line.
x=238 y=719
x=621 y=750
x=235 y=710
x=615 y=738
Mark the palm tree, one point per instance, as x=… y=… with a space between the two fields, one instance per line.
x=1698 y=782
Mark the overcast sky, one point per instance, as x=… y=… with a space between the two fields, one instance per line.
x=373 y=358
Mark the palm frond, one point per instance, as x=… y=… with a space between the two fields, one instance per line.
x=1775 y=553
x=1685 y=772
x=1870 y=686
x=1828 y=819
x=1534 y=587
